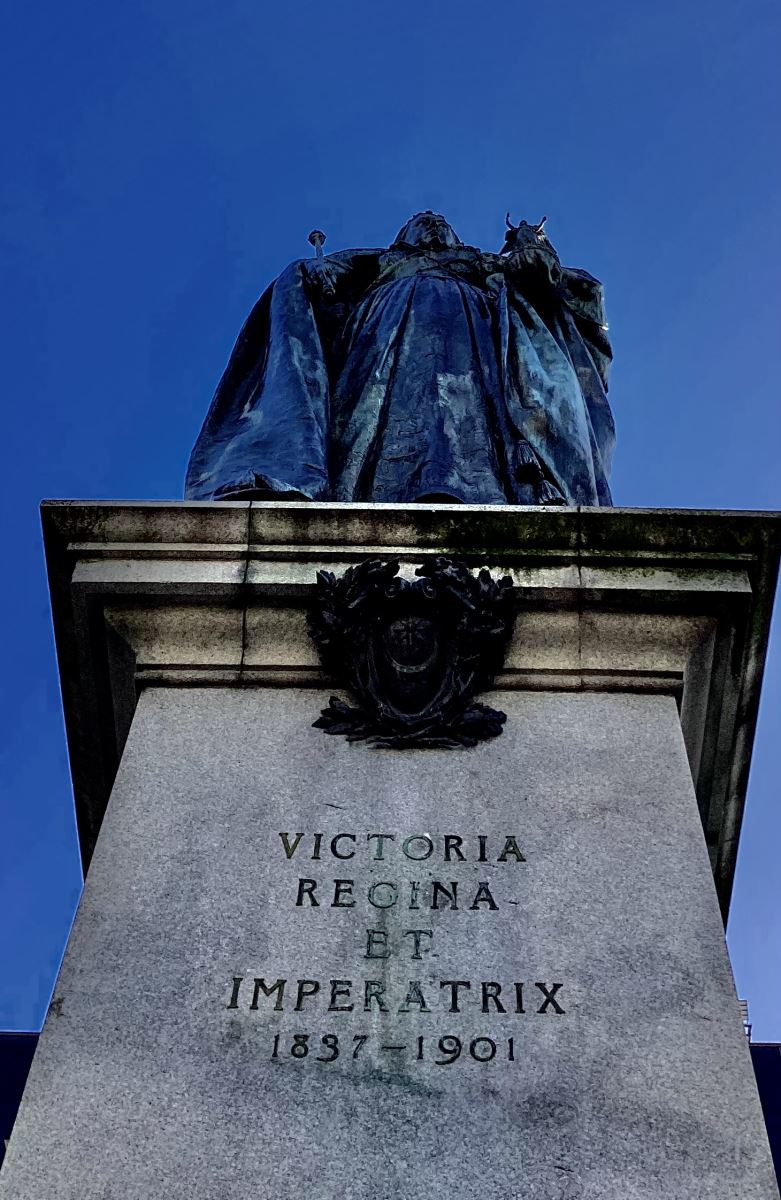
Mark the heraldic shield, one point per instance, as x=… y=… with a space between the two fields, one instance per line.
x=413 y=652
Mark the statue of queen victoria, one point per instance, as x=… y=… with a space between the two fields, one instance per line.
x=430 y=371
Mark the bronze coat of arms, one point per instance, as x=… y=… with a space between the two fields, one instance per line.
x=413 y=652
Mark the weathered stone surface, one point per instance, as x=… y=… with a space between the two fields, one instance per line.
x=157 y=1072
x=147 y=1082
x=670 y=602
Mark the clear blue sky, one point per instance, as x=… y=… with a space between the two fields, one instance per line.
x=162 y=162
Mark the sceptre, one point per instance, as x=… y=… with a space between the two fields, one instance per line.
x=317 y=239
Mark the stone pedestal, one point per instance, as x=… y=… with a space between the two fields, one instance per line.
x=304 y=967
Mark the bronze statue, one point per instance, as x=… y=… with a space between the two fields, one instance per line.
x=430 y=371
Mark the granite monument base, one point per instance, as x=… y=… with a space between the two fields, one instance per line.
x=305 y=967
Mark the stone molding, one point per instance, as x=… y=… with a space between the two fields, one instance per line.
x=208 y=594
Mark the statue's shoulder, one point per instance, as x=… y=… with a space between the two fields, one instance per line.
x=348 y=256
x=338 y=257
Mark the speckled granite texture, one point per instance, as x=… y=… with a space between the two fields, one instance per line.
x=156 y=1073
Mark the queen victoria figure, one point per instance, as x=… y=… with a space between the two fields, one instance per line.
x=430 y=371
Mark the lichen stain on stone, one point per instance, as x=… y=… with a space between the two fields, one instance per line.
x=233 y=1033
x=380 y=1078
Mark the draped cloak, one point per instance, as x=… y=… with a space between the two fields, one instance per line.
x=421 y=374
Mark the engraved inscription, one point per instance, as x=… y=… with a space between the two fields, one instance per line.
x=347 y=995
x=481 y=1049
x=377 y=882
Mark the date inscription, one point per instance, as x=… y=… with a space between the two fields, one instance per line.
x=443 y=1052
